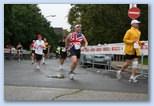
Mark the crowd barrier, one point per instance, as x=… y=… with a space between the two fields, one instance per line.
x=116 y=53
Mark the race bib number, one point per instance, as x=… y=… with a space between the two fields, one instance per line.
x=63 y=49
x=136 y=45
x=77 y=47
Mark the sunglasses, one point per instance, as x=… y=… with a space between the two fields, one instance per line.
x=78 y=27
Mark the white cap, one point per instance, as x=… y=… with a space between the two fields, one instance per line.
x=135 y=22
x=77 y=25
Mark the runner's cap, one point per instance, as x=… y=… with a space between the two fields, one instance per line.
x=135 y=22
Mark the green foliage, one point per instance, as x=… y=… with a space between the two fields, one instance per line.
x=103 y=23
x=22 y=22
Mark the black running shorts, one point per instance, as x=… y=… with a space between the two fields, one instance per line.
x=74 y=52
x=38 y=57
x=130 y=57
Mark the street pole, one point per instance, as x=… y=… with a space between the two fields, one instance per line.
x=132 y=5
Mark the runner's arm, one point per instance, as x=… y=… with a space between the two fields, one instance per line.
x=43 y=44
x=126 y=38
x=35 y=45
x=85 y=42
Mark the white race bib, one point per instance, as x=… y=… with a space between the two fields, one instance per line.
x=136 y=45
x=77 y=47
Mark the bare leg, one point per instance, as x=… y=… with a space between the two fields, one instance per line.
x=125 y=65
x=61 y=63
x=74 y=61
x=134 y=70
x=43 y=58
x=32 y=57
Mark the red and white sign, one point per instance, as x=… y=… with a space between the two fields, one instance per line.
x=134 y=13
x=114 y=48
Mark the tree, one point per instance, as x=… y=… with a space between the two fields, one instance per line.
x=23 y=21
x=103 y=23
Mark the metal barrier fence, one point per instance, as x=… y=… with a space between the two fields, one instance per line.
x=89 y=61
x=12 y=54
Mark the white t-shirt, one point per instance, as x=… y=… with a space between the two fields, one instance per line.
x=38 y=47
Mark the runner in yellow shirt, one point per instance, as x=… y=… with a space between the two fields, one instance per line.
x=132 y=49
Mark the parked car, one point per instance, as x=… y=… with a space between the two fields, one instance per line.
x=97 y=59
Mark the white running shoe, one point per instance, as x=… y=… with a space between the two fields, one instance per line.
x=133 y=79
x=118 y=74
x=38 y=67
x=71 y=76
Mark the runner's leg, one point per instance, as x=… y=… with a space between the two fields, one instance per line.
x=74 y=62
x=134 y=70
x=43 y=58
x=125 y=65
x=32 y=57
x=61 y=63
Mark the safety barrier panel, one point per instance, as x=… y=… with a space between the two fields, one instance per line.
x=116 y=54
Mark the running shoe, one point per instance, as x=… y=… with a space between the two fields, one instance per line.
x=71 y=75
x=37 y=67
x=133 y=79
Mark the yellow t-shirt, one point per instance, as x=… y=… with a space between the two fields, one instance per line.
x=130 y=37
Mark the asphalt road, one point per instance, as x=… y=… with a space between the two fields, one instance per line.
x=24 y=74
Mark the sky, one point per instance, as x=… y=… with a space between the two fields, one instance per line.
x=59 y=13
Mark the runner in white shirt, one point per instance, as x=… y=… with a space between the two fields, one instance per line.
x=39 y=46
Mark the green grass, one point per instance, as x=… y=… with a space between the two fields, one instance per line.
x=145 y=60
